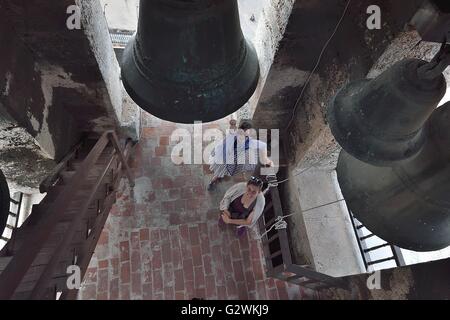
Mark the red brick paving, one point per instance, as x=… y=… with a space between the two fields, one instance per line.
x=161 y=240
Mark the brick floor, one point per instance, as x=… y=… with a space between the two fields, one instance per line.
x=161 y=240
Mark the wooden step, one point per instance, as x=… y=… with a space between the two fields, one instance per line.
x=35 y=272
x=81 y=195
x=55 y=237
x=45 y=255
x=40 y=210
x=102 y=158
x=66 y=176
x=80 y=243
x=4 y=263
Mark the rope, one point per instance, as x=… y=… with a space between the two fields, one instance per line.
x=272 y=179
x=280 y=223
x=318 y=63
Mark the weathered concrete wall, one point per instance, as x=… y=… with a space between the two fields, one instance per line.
x=96 y=30
x=327 y=224
x=263 y=23
x=56 y=83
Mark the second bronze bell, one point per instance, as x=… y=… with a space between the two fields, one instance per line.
x=394 y=171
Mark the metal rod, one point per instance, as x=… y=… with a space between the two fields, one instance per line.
x=361 y=250
x=367 y=237
x=376 y=247
x=381 y=261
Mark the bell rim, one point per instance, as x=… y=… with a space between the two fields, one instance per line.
x=362 y=138
x=250 y=66
x=366 y=217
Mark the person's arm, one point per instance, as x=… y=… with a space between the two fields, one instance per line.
x=262 y=151
x=227 y=198
x=239 y=222
x=264 y=158
x=227 y=213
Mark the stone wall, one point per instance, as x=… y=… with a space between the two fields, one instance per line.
x=55 y=84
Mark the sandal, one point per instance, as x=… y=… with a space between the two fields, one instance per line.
x=241 y=231
x=222 y=224
x=211 y=186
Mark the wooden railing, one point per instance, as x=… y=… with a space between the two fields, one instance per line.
x=15 y=201
x=277 y=252
x=21 y=261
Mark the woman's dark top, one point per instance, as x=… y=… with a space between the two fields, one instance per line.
x=238 y=211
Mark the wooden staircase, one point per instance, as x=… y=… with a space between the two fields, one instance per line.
x=277 y=251
x=64 y=228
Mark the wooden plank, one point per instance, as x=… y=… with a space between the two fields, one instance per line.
x=47 y=273
x=267 y=208
x=85 y=254
x=271 y=239
x=297 y=279
x=4 y=262
x=51 y=178
x=89 y=247
x=317 y=276
x=122 y=157
x=276 y=254
x=269 y=223
x=17 y=268
x=284 y=241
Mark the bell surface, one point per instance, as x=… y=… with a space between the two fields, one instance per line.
x=406 y=204
x=380 y=121
x=189 y=60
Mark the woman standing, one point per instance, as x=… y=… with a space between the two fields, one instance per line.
x=237 y=153
x=242 y=205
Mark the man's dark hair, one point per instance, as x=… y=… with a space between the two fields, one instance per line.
x=245 y=125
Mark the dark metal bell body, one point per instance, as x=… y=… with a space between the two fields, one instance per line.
x=189 y=60
x=380 y=121
x=394 y=171
x=407 y=204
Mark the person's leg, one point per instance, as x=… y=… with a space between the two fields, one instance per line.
x=214 y=180
x=222 y=224
x=241 y=231
x=212 y=183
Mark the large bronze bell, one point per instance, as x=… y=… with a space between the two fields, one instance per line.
x=189 y=60
x=394 y=171
x=380 y=121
